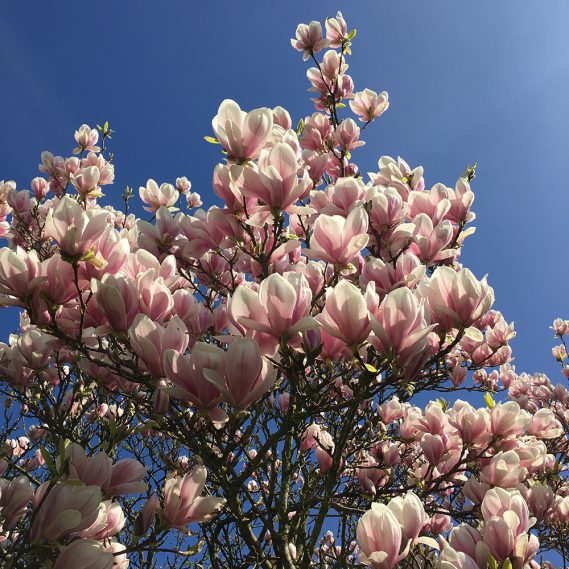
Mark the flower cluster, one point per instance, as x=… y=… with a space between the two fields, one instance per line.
x=246 y=384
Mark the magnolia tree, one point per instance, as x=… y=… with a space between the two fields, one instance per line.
x=238 y=386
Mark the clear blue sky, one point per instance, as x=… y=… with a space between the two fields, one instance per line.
x=481 y=81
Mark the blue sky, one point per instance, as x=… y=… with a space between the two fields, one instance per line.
x=484 y=81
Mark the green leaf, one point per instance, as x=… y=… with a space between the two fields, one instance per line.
x=61 y=450
x=490 y=403
x=442 y=403
x=211 y=140
x=300 y=127
x=370 y=368
x=353 y=33
x=48 y=460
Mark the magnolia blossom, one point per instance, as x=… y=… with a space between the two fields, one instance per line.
x=74 y=230
x=369 y=105
x=279 y=310
x=85 y=553
x=309 y=39
x=187 y=374
x=457 y=299
x=87 y=139
x=345 y=315
x=182 y=501
x=156 y=196
x=150 y=341
x=400 y=327
x=63 y=509
x=247 y=375
x=336 y=239
x=379 y=536
x=242 y=134
x=275 y=183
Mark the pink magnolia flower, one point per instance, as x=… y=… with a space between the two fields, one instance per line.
x=226 y=187
x=281 y=117
x=317 y=133
x=86 y=138
x=379 y=537
x=150 y=341
x=345 y=195
x=456 y=299
x=109 y=522
x=309 y=39
x=336 y=239
x=147 y=514
x=324 y=451
x=183 y=185
x=156 y=197
x=182 y=501
x=498 y=501
x=398 y=174
x=453 y=559
x=345 y=315
x=18 y=271
x=369 y=105
x=434 y=203
x=387 y=209
x=369 y=474
x=66 y=508
x=429 y=241
x=275 y=183
x=84 y=553
x=247 y=374
x=317 y=438
x=91 y=470
x=40 y=187
x=472 y=424
x=123 y=477
x=400 y=328
x=205 y=231
x=347 y=136
x=541 y=501
x=113 y=248
x=504 y=539
x=242 y=134
x=279 y=310
x=155 y=298
x=461 y=199
x=127 y=477
x=116 y=297
x=187 y=374
x=336 y=30
x=408 y=509
x=509 y=420
x=408 y=271
x=463 y=538
x=15 y=495
x=86 y=182
x=193 y=313
x=504 y=470
x=545 y=425
x=74 y=230
x=560 y=326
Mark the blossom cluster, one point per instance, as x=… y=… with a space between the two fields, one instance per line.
x=225 y=383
